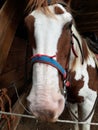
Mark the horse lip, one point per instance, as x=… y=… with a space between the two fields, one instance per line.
x=44 y=118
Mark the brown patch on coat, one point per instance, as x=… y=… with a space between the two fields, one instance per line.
x=93 y=78
x=63 y=50
x=85 y=50
x=29 y=23
x=58 y=10
x=63 y=53
x=64 y=46
x=73 y=90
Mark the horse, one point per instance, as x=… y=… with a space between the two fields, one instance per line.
x=64 y=68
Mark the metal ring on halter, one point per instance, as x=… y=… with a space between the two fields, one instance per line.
x=64 y=89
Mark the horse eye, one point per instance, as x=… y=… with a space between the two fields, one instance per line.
x=69 y=25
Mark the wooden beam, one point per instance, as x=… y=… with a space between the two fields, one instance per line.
x=10 y=15
x=84 y=5
x=87 y=21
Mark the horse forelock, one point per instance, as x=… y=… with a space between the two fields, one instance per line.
x=43 y=4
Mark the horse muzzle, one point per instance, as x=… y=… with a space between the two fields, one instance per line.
x=46 y=109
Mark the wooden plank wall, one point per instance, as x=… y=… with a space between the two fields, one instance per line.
x=86 y=15
x=14 y=52
x=10 y=15
x=14 y=70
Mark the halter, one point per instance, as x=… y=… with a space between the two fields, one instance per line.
x=40 y=58
x=50 y=61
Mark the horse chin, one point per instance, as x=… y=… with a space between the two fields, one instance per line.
x=44 y=118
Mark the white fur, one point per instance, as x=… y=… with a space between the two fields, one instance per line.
x=47 y=39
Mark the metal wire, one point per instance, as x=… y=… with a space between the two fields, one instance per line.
x=33 y=117
x=59 y=121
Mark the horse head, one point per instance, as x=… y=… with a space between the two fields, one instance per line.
x=50 y=37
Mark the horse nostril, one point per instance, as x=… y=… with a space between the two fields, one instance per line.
x=49 y=114
x=60 y=102
x=28 y=103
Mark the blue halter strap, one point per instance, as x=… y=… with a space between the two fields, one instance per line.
x=49 y=60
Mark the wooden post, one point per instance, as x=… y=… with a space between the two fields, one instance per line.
x=10 y=15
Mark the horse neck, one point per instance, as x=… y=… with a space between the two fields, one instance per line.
x=87 y=54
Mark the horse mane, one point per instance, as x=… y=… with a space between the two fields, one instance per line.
x=40 y=5
x=43 y=6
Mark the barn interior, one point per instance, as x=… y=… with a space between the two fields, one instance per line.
x=15 y=65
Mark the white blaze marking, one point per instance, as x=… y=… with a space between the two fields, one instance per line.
x=47 y=32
